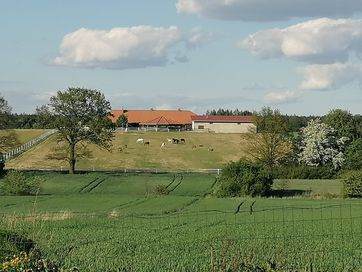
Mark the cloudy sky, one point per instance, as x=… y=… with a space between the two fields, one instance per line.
x=300 y=56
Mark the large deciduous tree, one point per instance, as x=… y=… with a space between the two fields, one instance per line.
x=81 y=116
x=342 y=122
x=270 y=145
x=319 y=145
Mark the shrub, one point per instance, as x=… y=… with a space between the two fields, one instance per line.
x=304 y=172
x=244 y=178
x=352 y=184
x=16 y=183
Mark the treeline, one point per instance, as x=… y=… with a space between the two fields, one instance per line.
x=227 y=112
x=295 y=122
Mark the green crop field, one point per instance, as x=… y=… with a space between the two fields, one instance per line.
x=202 y=150
x=120 y=222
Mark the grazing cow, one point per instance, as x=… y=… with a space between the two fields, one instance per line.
x=210 y=148
x=183 y=141
x=175 y=141
x=169 y=140
x=140 y=140
x=163 y=145
x=146 y=143
x=194 y=146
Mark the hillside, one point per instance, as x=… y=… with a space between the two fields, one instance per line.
x=201 y=150
x=23 y=135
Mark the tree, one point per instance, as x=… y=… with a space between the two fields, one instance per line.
x=320 y=146
x=44 y=118
x=5 y=111
x=270 y=145
x=8 y=138
x=353 y=155
x=81 y=116
x=122 y=121
x=342 y=122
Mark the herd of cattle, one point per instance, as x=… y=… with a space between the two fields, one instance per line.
x=172 y=141
x=163 y=144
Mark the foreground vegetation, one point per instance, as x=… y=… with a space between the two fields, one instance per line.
x=121 y=222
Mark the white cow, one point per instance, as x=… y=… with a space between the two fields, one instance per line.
x=163 y=145
x=140 y=140
x=169 y=140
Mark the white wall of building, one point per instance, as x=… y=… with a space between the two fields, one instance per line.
x=223 y=127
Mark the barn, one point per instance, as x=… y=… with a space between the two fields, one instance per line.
x=223 y=124
x=157 y=120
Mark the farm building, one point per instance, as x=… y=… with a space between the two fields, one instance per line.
x=223 y=124
x=156 y=119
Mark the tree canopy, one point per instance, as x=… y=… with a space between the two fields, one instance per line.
x=270 y=146
x=8 y=138
x=122 y=121
x=320 y=146
x=342 y=122
x=81 y=116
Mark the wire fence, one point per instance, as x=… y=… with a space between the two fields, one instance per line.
x=292 y=238
x=24 y=147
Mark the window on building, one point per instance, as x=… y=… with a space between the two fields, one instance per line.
x=200 y=127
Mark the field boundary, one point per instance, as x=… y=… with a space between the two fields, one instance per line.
x=216 y=171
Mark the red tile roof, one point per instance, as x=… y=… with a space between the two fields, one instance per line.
x=223 y=118
x=155 y=117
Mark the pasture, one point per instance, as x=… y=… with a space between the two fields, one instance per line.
x=200 y=150
x=119 y=222
x=24 y=135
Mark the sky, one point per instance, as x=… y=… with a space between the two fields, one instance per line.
x=299 y=56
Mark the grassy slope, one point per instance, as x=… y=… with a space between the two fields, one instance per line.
x=226 y=147
x=24 y=135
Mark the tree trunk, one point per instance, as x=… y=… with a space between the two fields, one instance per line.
x=72 y=159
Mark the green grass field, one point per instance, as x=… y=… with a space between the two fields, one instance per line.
x=126 y=153
x=117 y=222
x=24 y=135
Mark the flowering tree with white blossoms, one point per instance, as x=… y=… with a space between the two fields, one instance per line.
x=320 y=146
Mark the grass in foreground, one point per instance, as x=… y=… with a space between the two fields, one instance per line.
x=105 y=222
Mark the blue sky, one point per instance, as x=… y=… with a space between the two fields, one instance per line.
x=302 y=57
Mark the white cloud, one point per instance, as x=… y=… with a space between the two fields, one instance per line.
x=118 y=48
x=198 y=37
x=267 y=10
x=330 y=76
x=281 y=97
x=128 y=47
x=318 y=41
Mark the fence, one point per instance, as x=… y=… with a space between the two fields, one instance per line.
x=151 y=128
x=216 y=171
x=24 y=147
